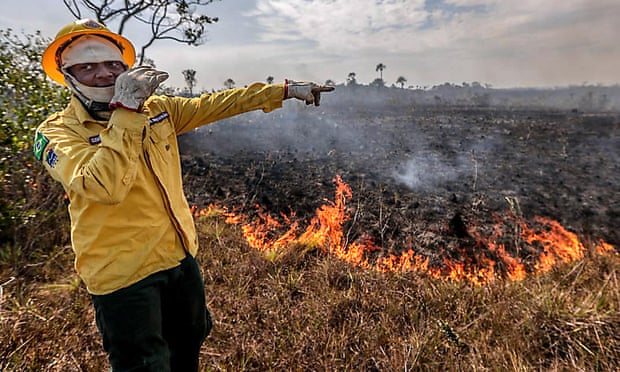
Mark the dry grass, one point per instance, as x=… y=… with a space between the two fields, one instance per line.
x=302 y=310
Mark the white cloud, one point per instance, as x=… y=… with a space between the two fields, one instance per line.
x=471 y=3
x=347 y=24
x=480 y=39
x=502 y=42
x=406 y=25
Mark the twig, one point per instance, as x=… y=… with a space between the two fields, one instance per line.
x=260 y=180
x=473 y=158
x=346 y=240
x=2 y=289
x=20 y=347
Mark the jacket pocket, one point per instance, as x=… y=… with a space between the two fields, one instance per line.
x=161 y=132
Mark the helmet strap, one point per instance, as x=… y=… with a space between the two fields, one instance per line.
x=96 y=106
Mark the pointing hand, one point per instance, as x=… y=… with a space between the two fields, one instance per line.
x=306 y=91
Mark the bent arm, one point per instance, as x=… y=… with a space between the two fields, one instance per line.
x=103 y=172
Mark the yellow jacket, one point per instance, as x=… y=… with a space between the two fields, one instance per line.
x=129 y=215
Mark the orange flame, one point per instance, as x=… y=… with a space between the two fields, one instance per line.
x=477 y=266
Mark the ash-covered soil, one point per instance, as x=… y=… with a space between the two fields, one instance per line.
x=422 y=176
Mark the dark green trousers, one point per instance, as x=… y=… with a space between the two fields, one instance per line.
x=157 y=324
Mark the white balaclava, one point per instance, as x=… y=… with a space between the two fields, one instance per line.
x=90 y=49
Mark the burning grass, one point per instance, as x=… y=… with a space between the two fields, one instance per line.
x=512 y=249
x=459 y=276
x=305 y=304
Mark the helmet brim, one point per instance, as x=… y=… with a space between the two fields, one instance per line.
x=51 y=67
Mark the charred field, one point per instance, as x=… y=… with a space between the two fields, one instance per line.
x=427 y=201
x=443 y=181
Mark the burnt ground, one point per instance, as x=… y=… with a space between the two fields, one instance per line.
x=421 y=176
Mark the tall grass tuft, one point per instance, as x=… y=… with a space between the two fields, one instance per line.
x=304 y=310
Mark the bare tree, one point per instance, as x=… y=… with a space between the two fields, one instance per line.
x=190 y=79
x=167 y=19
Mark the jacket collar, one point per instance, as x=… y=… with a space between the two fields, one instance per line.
x=82 y=114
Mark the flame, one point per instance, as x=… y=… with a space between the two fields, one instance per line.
x=484 y=262
x=558 y=245
x=211 y=210
x=604 y=248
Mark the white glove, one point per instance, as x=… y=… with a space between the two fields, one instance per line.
x=134 y=86
x=305 y=91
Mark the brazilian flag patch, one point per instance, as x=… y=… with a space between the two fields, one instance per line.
x=40 y=142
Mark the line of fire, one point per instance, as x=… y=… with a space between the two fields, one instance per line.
x=534 y=247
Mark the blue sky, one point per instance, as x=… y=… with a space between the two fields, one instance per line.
x=505 y=43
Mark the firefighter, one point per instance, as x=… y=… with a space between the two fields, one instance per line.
x=114 y=150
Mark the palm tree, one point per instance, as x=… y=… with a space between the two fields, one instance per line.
x=269 y=79
x=401 y=80
x=380 y=67
x=229 y=83
x=190 y=79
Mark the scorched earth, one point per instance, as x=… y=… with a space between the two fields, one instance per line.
x=463 y=192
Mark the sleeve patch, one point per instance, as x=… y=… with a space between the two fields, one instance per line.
x=94 y=140
x=159 y=118
x=51 y=158
x=40 y=142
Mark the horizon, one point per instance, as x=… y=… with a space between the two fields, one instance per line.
x=506 y=44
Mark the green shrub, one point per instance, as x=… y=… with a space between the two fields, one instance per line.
x=29 y=198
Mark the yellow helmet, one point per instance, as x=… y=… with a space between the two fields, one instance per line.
x=51 y=56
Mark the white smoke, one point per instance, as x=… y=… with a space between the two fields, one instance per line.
x=424 y=172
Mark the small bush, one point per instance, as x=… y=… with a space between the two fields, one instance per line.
x=32 y=211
